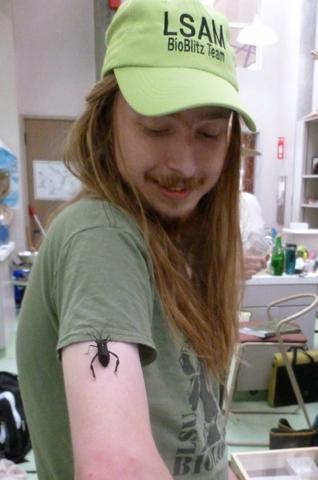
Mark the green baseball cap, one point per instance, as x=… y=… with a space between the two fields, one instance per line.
x=172 y=55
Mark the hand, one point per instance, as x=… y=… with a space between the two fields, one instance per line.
x=253 y=264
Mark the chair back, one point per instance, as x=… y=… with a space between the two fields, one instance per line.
x=299 y=313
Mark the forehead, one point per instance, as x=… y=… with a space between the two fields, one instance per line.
x=189 y=115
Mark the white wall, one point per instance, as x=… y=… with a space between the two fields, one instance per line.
x=55 y=55
x=9 y=115
x=271 y=96
x=315 y=89
x=47 y=68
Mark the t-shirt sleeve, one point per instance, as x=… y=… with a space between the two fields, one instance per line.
x=103 y=287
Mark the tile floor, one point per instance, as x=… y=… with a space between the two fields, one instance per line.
x=256 y=427
x=249 y=427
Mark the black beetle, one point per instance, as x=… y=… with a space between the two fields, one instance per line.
x=103 y=353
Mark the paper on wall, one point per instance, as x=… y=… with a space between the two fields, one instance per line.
x=53 y=181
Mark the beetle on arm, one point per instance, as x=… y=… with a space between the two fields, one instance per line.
x=103 y=353
x=109 y=417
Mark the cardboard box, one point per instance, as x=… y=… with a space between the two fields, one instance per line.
x=271 y=464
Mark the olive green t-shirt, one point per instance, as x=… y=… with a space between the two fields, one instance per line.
x=93 y=277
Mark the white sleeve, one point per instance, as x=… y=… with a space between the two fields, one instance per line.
x=251 y=220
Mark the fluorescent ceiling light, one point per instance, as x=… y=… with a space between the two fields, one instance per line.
x=257 y=34
x=209 y=3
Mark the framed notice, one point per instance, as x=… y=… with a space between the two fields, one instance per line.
x=53 y=181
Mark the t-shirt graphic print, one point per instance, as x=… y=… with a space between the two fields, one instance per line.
x=197 y=455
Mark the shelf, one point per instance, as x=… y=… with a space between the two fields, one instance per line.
x=307 y=205
x=305 y=192
x=307 y=231
x=311 y=117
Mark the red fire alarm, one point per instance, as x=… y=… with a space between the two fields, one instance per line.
x=114 y=4
x=281 y=148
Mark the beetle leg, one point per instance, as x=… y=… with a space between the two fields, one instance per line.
x=89 y=348
x=117 y=361
x=91 y=365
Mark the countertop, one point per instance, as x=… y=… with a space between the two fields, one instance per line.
x=6 y=250
x=267 y=279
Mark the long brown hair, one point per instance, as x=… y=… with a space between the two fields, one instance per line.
x=204 y=304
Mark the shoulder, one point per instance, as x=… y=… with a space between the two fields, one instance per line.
x=90 y=213
x=251 y=219
x=88 y=227
x=249 y=201
x=92 y=216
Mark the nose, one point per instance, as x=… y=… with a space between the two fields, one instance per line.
x=182 y=158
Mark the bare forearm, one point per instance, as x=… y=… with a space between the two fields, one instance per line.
x=125 y=467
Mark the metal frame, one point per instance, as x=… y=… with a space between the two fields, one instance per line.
x=282 y=347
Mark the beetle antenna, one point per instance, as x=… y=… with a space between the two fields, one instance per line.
x=98 y=335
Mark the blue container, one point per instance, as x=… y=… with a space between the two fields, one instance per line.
x=20 y=274
x=4 y=234
x=290 y=258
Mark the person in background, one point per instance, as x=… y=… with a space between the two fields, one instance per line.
x=129 y=319
x=252 y=232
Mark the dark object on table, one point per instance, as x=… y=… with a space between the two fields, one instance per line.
x=284 y=436
x=27 y=257
x=305 y=366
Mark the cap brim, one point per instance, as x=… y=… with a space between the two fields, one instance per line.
x=161 y=91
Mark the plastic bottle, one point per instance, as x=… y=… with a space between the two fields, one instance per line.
x=290 y=258
x=4 y=231
x=309 y=266
x=278 y=257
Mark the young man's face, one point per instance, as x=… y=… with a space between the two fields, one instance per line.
x=172 y=160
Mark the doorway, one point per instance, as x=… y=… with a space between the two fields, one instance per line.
x=47 y=178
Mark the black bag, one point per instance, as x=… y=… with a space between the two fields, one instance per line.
x=305 y=366
x=284 y=436
x=14 y=435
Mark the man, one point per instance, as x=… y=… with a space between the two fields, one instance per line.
x=252 y=232
x=130 y=317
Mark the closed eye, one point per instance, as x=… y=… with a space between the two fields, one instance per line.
x=157 y=132
x=210 y=134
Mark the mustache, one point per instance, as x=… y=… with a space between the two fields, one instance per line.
x=175 y=180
